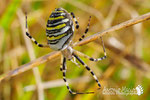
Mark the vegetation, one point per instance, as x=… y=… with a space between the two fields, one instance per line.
x=128 y=57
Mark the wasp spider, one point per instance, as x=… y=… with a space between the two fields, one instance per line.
x=59 y=32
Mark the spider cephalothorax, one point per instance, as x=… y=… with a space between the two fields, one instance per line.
x=59 y=32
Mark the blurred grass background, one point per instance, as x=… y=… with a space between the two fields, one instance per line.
x=115 y=71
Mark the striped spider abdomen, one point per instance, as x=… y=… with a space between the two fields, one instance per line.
x=60 y=29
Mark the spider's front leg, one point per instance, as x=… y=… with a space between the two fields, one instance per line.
x=27 y=33
x=76 y=22
x=77 y=26
x=86 y=30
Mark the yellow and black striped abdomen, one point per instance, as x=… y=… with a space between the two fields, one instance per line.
x=59 y=29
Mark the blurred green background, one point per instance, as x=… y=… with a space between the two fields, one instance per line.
x=128 y=50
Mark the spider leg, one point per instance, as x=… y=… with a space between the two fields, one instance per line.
x=63 y=69
x=61 y=65
x=76 y=22
x=88 y=68
x=28 y=34
x=86 y=30
x=91 y=58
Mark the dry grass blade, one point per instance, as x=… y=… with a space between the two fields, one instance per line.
x=58 y=83
x=52 y=55
x=31 y=54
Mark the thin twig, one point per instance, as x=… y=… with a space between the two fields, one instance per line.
x=54 y=54
x=30 y=65
x=111 y=15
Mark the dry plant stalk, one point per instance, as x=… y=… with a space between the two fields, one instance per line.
x=31 y=54
x=91 y=38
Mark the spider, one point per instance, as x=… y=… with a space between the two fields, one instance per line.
x=59 y=32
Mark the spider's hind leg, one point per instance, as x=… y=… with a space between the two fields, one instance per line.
x=88 y=68
x=91 y=58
